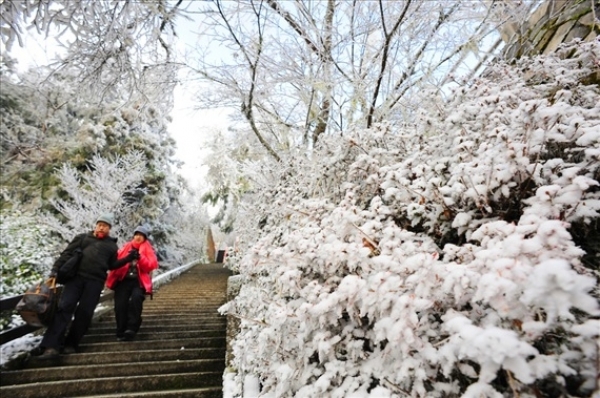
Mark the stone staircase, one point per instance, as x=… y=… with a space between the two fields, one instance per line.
x=178 y=352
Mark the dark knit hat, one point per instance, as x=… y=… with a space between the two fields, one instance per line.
x=106 y=218
x=142 y=230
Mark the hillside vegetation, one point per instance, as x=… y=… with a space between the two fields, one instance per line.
x=457 y=256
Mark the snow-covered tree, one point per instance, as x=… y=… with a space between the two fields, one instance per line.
x=106 y=96
x=226 y=179
x=189 y=224
x=110 y=44
x=293 y=71
x=296 y=70
x=454 y=256
x=106 y=186
x=46 y=126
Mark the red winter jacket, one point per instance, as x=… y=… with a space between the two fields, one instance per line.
x=145 y=264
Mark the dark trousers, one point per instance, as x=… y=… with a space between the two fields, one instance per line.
x=78 y=301
x=129 y=303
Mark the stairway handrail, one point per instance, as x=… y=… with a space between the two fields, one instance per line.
x=9 y=303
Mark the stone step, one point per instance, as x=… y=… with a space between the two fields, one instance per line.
x=167 y=320
x=110 y=385
x=113 y=357
x=159 y=314
x=214 y=392
x=169 y=312
x=161 y=327
x=143 y=335
x=183 y=315
x=190 y=299
x=157 y=344
x=126 y=369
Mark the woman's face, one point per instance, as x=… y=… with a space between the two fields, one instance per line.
x=138 y=237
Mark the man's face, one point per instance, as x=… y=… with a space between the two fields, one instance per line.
x=102 y=229
x=138 y=237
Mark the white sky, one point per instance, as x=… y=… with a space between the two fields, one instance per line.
x=190 y=129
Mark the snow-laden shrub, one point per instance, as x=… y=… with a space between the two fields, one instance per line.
x=27 y=251
x=435 y=260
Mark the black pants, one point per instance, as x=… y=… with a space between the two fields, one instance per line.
x=129 y=303
x=79 y=297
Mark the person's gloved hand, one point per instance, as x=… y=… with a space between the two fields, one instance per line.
x=134 y=254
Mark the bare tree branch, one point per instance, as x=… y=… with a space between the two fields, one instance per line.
x=384 y=57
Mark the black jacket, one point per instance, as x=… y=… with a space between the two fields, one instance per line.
x=99 y=256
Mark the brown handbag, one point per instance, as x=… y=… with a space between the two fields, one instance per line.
x=38 y=305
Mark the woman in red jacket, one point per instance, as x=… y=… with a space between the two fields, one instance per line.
x=132 y=282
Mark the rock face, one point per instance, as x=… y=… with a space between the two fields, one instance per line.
x=553 y=23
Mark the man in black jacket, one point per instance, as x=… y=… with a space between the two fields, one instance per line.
x=81 y=294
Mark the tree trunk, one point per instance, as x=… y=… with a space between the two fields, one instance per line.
x=210 y=246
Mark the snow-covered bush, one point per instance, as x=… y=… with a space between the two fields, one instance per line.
x=457 y=256
x=26 y=254
x=26 y=251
